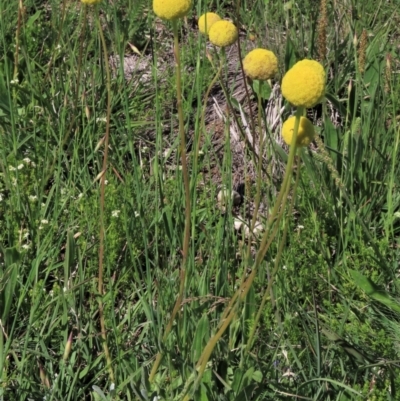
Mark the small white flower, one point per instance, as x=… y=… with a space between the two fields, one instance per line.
x=44 y=221
x=26 y=234
x=101 y=120
x=137 y=214
x=43 y=205
x=1 y=197
x=26 y=246
x=115 y=213
x=27 y=160
x=105 y=182
x=80 y=195
x=33 y=198
x=11 y=168
x=20 y=166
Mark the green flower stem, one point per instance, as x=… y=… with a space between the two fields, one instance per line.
x=203 y=117
x=102 y=202
x=267 y=239
x=259 y=165
x=186 y=183
x=275 y=269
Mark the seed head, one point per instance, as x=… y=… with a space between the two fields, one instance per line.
x=260 y=64
x=223 y=33
x=305 y=133
x=91 y=2
x=171 y=9
x=206 y=21
x=304 y=84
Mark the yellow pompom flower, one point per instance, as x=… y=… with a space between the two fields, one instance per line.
x=305 y=133
x=91 y=2
x=223 y=33
x=171 y=9
x=206 y=21
x=304 y=84
x=260 y=64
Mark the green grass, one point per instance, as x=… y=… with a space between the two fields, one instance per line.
x=329 y=328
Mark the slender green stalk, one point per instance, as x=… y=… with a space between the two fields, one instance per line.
x=186 y=183
x=267 y=239
x=203 y=117
x=259 y=165
x=102 y=201
x=389 y=218
x=17 y=35
x=275 y=269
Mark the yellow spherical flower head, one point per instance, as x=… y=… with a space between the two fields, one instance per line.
x=91 y=2
x=305 y=133
x=260 y=64
x=223 y=33
x=206 y=21
x=304 y=84
x=171 y=9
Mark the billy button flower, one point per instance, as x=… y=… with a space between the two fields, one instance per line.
x=223 y=33
x=171 y=9
x=260 y=64
x=304 y=84
x=91 y=2
x=206 y=21
x=305 y=133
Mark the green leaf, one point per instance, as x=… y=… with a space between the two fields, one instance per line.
x=262 y=89
x=69 y=256
x=8 y=281
x=98 y=394
x=290 y=55
x=201 y=337
x=373 y=291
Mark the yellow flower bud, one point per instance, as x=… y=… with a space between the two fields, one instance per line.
x=304 y=84
x=223 y=33
x=206 y=21
x=305 y=133
x=260 y=64
x=171 y=9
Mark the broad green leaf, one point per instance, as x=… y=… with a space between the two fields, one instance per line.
x=8 y=280
x=262 y=89
x=201 y=337
x=373 y=291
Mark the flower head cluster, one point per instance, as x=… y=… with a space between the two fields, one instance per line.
x=223 y=33
x=305 y=133
x=206 y=21
x=304 y=84
x=171 y=9
x=91 y=2
x=260 y=64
